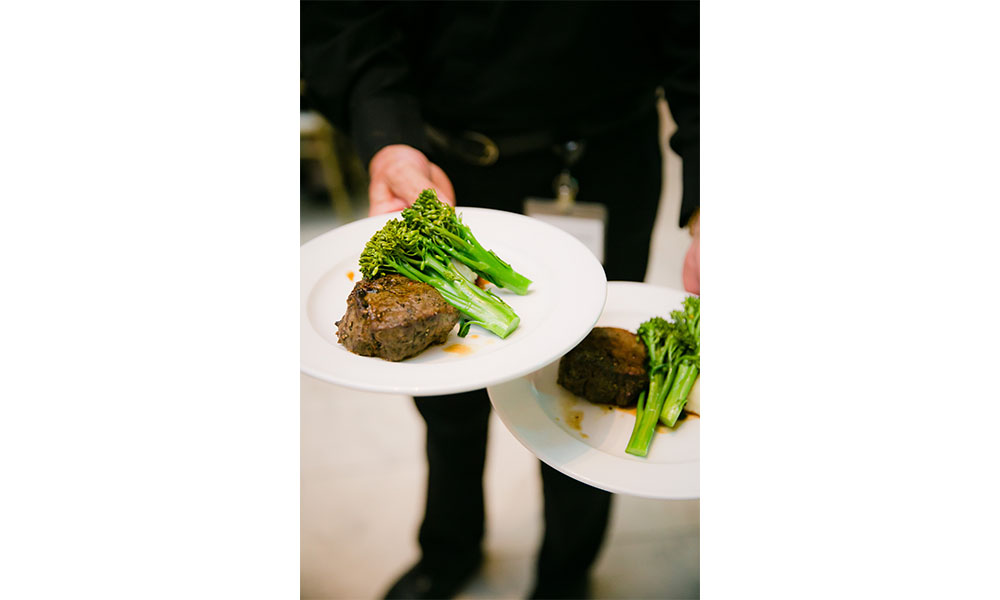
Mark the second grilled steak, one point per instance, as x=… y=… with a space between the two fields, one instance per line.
x=607 y=367
x=394 y=318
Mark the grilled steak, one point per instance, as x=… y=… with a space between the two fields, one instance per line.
x=607 y=367
x=393 y=317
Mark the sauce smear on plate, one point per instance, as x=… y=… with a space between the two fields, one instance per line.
x=458 y=349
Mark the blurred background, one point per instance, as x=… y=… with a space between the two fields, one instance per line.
x=363 y=470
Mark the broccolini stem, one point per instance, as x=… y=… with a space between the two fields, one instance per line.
x=638 y=411
x=642 y=433
x=687 y=374
x=479 y=306
x=491 y=313
x=467 y=249
x=475 y=265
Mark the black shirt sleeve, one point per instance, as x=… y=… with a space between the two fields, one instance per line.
x=675 y=27
x=356 y=73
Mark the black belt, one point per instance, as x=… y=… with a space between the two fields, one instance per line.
x=479 y=149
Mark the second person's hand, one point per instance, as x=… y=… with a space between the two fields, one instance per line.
x=692 y=261
x=398 y=174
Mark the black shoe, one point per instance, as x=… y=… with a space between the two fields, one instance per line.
x=439 y=584
x=574 y=589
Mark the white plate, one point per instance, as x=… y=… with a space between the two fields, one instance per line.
x=587 y=441
x=560 y=308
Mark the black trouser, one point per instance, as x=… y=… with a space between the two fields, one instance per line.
x=621 y=169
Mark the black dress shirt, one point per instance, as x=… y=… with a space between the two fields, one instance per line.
x=380 y=70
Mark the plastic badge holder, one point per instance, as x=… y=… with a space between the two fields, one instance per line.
x=586 y=221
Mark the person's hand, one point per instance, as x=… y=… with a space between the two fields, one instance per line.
x=398 y=174
x=692 y=261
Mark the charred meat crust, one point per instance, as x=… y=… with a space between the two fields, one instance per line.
x=394 y=318
x=607 y=367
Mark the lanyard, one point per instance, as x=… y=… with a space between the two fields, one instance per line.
x=565 y=185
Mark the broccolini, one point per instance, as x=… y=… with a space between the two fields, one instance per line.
x=674 y=363
x=688 y=323
x=448 y=236
x=400 y=247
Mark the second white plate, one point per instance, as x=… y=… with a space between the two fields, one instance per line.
x=587 y=441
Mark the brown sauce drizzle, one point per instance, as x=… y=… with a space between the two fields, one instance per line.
x=458 y=349
x=574 y=418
